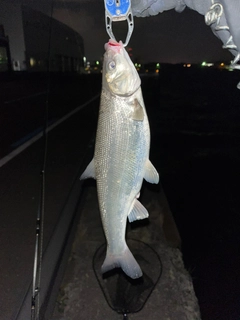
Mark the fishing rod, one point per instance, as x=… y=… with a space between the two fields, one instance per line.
x=38 y=254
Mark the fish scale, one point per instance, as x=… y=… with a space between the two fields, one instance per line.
x=121 y=157
x=126 y=152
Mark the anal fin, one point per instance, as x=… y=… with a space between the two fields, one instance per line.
x=138 y=212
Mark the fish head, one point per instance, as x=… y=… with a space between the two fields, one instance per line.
x=120 y=76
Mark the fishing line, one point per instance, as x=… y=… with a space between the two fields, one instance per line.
x=37 y=267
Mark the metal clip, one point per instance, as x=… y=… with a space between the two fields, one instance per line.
x=118 y=10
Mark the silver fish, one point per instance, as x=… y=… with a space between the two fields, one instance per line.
x=121 y=157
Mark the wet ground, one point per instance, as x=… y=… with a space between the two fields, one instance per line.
x=20 y=191
x=194 y=117
x=166 y=290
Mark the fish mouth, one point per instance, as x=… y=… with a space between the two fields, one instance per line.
x=113 y=45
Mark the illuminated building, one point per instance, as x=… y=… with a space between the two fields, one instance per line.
x=37 y=41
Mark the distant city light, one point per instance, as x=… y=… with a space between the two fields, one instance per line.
x=207 y=64
x=32 y=62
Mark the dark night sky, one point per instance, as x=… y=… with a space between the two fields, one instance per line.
x=168 y=37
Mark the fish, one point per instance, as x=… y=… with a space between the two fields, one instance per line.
x=121 y=156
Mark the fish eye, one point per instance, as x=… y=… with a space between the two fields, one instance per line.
x=112 y=65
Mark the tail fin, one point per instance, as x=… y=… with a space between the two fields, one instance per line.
x=126 y=261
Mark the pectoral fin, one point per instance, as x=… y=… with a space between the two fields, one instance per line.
x=137 y=113
x=89 y=171
x=138 y=212
x=151 y=174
